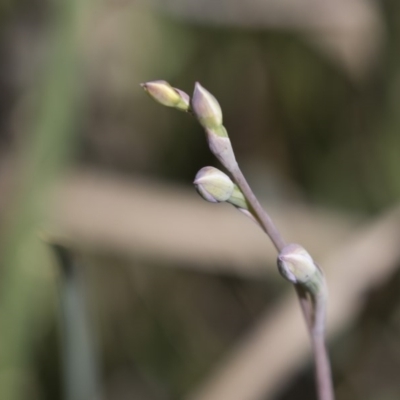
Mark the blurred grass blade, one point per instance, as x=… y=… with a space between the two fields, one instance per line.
x=22 y=294
x=80 y=372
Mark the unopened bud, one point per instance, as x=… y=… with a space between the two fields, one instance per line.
x=296 y=265
x=165 y=94
x=216 y=187
x=206 y=108
x=213 y=185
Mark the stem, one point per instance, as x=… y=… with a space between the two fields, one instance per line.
x=322 y=369
x=323 y=374
x=312 y=299
x=263 y=218
x=317 y=292
x=306 y=306
x=313 y=305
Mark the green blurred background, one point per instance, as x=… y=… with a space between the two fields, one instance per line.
x=154 y=294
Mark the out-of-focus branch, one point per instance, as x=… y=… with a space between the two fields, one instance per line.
x=348 y=31
x=153 y=221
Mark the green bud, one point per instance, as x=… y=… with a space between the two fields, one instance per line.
x=213 y=185
x=296 y=265
x=165 y=94
x=216 y=187
x=206 y=108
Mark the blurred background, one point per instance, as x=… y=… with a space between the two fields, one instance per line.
x=117 y=280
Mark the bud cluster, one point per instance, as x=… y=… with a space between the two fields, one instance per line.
x=294 y=263
x=207 y=111
x=209 y=114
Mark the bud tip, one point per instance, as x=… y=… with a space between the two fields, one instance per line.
x=162 y=92
x=206 y=108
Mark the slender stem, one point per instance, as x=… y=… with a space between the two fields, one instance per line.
x=313 y=305
x=317 y=292
x=323 y=374
x=264 y=219
x=322 y=369
x=306 y=306
x=312 y=299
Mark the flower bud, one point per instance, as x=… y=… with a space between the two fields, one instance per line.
x=213 y=185
x=165 y=94
x=296 y=265
x=206 y=108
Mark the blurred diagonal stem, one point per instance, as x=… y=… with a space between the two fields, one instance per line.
x=42 y=162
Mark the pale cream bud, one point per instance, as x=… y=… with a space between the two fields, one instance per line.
x=165 y=94
x=296 y=265
x=213 y=185
x=206 y=108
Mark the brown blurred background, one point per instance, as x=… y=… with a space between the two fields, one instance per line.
x=155 y=294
